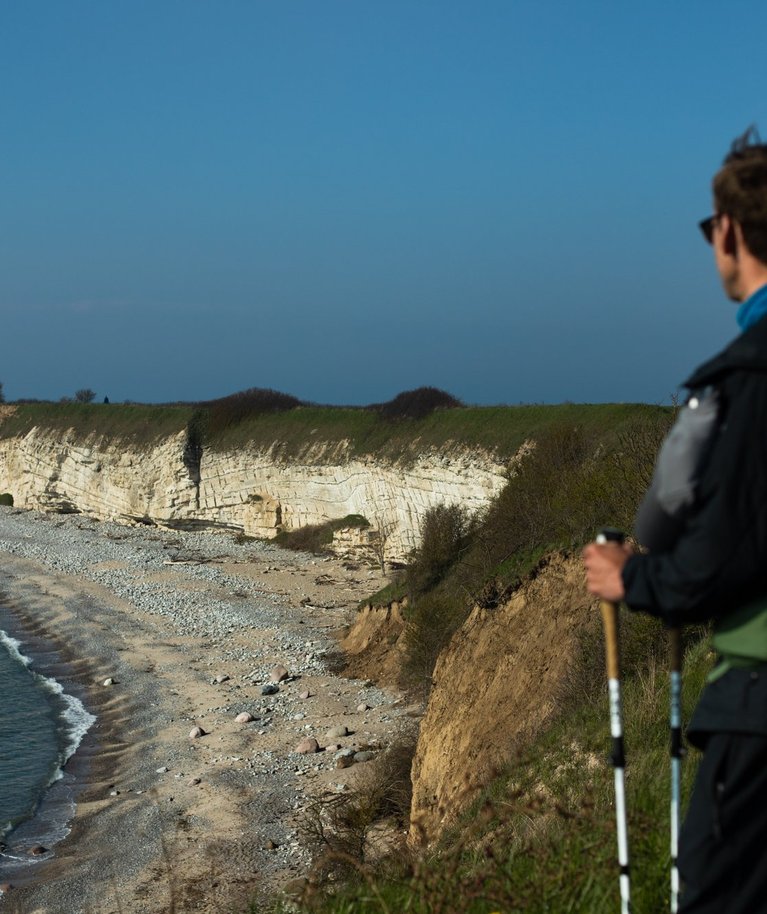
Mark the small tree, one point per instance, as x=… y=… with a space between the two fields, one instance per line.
x=85 y=395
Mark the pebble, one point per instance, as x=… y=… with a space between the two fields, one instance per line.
x=192 y=782
x=336 y=732
x=307 y=746
x=196 y=733
x=345 y=761
x=345 y=753
x=37 y=851
x=363 y=707
x=244 y=718
x=269 y=689
x=364 y=756
x=110 y=682
x=5 y=887
x=163 y=770
x=304 y=695
x=219 y=679
x=279 y=673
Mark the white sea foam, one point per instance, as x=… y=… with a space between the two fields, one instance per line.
x=77 y=720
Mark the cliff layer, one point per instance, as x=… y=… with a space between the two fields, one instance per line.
x=253 y=489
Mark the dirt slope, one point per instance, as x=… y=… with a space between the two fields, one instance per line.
x=497 y=683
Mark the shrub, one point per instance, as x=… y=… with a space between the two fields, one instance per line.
x=6 y=499
x=227 y=412
x=444 y=534
x=317 y=537
x=85 y=395
x=416 y=404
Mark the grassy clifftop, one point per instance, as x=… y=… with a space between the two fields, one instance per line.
x=365 y=430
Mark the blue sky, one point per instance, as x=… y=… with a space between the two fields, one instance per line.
x=343 y=200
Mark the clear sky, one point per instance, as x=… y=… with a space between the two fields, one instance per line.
x=344 y=199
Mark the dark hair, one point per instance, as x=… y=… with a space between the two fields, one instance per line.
x=740 y=190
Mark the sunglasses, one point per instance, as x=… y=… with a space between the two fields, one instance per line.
x=707 y=227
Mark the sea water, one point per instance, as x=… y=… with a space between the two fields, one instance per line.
x=41 y=726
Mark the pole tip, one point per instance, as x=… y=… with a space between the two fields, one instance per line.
x=610 y=535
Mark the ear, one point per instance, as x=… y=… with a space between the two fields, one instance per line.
x=730 y=235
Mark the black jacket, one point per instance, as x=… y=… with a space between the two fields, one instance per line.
x=719 y=561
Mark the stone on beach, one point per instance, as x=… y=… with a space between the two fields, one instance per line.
x=110 y=681
x=38 y=850
x=196 y=733
x=363 y=707
x=336 y=732
x=5 y=887
x=307 y=746
x=219 y=679
x=269 y=689
x=304 y=695
x=244 y=718
x=193 y=782
x=364 y=756
x=346 y=761
x=279 y=673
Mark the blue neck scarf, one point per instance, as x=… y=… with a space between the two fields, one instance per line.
x=753 y=309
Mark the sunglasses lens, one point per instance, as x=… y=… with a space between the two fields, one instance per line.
x=707 y=227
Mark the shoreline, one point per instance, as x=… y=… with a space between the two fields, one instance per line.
x=219 y=825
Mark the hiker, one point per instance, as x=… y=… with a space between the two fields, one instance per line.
x=704 y=523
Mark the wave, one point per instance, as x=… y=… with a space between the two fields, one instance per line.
x=75 y=719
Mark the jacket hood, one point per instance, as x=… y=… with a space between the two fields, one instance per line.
x=747 y=351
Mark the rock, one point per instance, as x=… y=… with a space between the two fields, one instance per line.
x=364 y=756
x=345 y=753
x=196 y=733
x=345 y=761
x=336 y=732
x=163 y=770
x=245 y=718
x=5 y=887
x=363 y=707
x=271 y=845
x=307 y=746
x=114 y=793
x=219 y=679
x=304 y=695
x=269 y=689
x=279 y=673
x=192 y=782
x=332 y=747
x=110 y=682
x=37 y=851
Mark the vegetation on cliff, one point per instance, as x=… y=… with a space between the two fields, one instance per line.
x=539 y=837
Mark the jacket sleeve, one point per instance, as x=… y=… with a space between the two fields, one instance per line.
x=720 y=560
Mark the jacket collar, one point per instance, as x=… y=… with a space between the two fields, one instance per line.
x=747 y=351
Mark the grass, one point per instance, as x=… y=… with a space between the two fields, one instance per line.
x=356 y=432
x=137 y=423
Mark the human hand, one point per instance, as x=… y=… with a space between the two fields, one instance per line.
x=604 y=566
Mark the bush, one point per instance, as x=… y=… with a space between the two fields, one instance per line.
x=230 y=411
x=416 y=404
x=317 y=537
x=85 y=395
x=444 y=535
x=6 y=499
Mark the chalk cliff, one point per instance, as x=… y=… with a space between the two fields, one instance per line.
x=251 y=489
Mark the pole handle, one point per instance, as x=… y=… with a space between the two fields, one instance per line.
x=609 y=611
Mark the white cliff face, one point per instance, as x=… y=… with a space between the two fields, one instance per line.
x=250 y=489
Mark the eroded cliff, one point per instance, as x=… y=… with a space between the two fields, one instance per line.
x=253 y=489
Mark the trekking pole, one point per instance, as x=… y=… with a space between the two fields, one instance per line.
x=612 y=656
x=675 y=668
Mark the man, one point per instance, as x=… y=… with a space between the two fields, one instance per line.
x=704 y=521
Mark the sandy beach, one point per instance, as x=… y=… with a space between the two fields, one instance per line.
x=189 y=626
